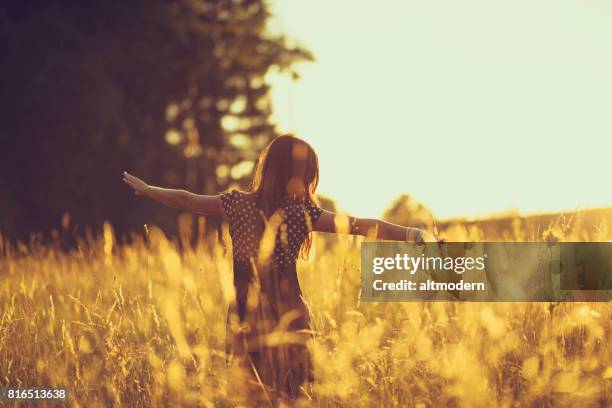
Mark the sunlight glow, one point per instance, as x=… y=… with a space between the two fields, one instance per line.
x=472 y=107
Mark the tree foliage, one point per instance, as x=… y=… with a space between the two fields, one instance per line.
x=405 y=210
x=171 y=90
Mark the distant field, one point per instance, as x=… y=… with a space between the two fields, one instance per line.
x=577 y=226
x=143 y=325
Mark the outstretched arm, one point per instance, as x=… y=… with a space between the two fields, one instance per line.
x=180 y=199
x=373 y=228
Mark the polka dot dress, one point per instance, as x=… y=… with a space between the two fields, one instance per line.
x=276 y=300
x=246 y=227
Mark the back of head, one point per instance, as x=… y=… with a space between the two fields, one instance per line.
x=287 y=169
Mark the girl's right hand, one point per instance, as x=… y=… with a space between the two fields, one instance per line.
x=139 y=186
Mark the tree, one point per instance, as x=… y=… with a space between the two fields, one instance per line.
x=172 y=90
x=406 y=211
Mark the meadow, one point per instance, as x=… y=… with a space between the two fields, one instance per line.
x=142 y=324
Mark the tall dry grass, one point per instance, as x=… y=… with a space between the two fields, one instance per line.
x=143 y=325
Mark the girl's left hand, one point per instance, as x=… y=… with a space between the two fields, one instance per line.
x=139 y=186
x=425 y=237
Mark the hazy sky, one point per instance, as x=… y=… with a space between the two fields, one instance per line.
x=472 y=106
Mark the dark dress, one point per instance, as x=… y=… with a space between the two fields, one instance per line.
x=268 y=324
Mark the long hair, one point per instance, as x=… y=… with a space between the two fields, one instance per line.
x=287 y=169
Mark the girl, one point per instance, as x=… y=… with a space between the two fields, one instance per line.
x=270 y=226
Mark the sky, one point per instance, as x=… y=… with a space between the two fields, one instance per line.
x=473 y=107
